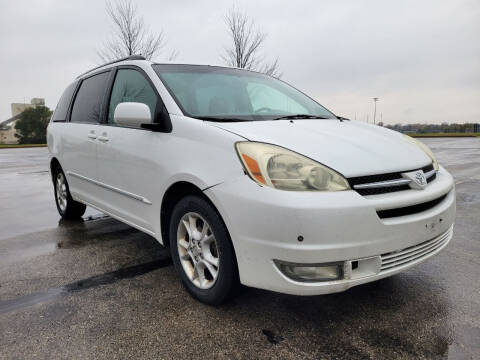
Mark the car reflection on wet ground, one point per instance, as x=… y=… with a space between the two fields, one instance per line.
x=101 y=289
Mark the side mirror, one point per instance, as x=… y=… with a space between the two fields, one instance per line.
x=132 y=114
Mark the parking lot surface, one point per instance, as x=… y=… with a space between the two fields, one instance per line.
x=101 y=289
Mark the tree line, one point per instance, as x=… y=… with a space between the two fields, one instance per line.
x=31 y=127
x=435 y=128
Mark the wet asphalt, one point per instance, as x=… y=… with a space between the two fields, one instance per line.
x=101 y=289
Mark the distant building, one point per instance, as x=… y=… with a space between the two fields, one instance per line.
x=7 y=127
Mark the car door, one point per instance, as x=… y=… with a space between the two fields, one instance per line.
x=79 y=156
x=126 y=156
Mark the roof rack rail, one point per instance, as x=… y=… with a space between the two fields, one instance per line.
x=131 y=57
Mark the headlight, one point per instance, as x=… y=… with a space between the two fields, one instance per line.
x=426 y=149
x=283 y=169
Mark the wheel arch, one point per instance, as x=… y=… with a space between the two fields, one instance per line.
x=172 y=196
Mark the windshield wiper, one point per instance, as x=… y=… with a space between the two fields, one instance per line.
x=301 y=116
x=219 y=119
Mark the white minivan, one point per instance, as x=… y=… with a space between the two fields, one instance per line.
x=246 y=179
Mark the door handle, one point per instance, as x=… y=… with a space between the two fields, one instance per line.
x=92 y=136
x=103 y=138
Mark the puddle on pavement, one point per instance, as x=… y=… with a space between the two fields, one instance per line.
x=22 y=247
x=84 y=284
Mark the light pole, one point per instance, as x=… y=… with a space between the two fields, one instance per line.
x=375 y=99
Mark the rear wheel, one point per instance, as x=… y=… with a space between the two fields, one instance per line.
x=202 y=251
x=66 y=206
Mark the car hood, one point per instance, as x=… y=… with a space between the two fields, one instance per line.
x=350 y=147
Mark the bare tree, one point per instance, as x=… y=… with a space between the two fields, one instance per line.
x=247 y=41
x=130 y=34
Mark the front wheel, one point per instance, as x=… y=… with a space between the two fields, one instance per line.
x=66 y=206
x=202 y=251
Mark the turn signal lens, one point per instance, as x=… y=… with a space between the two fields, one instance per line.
x=283 y=169
x=252 y=165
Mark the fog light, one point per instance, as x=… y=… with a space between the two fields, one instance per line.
x=311 y=272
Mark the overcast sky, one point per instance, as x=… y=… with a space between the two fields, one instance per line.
x=421 y=58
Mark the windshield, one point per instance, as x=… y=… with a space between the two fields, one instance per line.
x=223 y=94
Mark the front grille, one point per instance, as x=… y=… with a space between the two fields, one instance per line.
x=410 y=210
x=360 y=180
x=410 y=254
x=384 y=190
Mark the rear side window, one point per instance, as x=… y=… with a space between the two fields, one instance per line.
x=88 y=102
x=61 y=110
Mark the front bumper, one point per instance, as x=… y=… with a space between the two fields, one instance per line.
x=265 y=225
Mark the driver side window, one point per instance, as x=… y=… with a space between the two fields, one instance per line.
x=131 y=86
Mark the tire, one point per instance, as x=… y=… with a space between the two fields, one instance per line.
x=194 y=256
x=66 y=206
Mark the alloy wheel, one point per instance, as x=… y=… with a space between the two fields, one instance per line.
x=61 y=191
x=198 y=251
